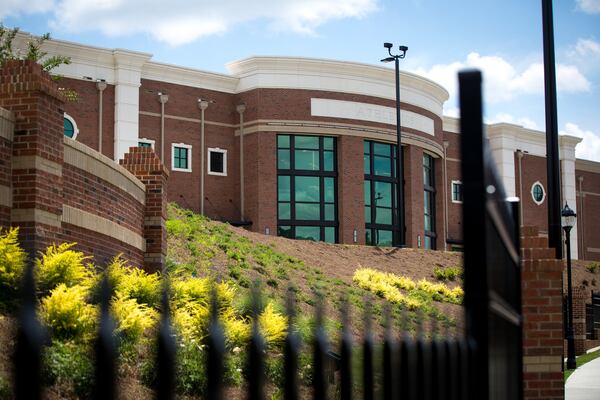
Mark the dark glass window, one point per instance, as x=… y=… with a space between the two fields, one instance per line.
x=180 y=157
x=537 y=192
x=457 y=195
x=217 y=162
x=306 y=187
x=380 y=193
x=68 y=128
x=429 y=201
x=144 y=144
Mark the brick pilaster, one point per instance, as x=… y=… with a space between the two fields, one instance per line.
x=542 y=318
x=579 y=299
x=147 y=167
x=37 y=152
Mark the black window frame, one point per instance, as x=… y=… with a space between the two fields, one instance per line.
x=430 y=170
x=372 y=227
x=292 y=173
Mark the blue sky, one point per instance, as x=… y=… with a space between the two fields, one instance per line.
x=504 y=38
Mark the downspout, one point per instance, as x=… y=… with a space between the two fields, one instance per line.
x=240 y=109
x=100 y=85
x=580 y=221
x=203 y=105
x=520 y=158
x=163 y=98
x=446 y=144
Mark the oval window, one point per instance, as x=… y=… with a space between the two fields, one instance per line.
x=538 y=193
x=69 y=129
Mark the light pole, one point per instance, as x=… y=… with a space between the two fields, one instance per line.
x=399 y=169
x=568 y=217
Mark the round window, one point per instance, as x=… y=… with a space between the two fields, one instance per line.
x=538 y=193
x=69 y=129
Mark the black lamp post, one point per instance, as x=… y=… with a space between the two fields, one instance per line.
x=399 y=169
x=568 y=217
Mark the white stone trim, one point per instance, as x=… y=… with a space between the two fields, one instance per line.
x=211 y=150
x=452 y=183
x=370 y=112
x=75 y=128
x=189 y=154
x=151 y=142
x=543 y=193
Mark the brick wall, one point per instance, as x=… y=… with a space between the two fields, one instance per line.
x=542 y=318
x=587 y=184
x=579 y=299
x=59 y=190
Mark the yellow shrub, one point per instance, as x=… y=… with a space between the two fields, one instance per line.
x=237 y=331
x=12 y=263
x=199 y=290
x=134 y=283
x=132 y=318
x=67 y=314
x=60 y=264
x=273 y=325
x=191 y=320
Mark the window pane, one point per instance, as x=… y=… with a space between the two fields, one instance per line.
x=68 y=128
x=329 y=234
x=367 y=214
x=285 y=231
x=367 y=147
x=328 y=143
x=308 y=211
x=383 y=194
x=427 y=202
x=307 y=188
x=307 y=159
x=306 y=142
x=283 y=159
x=284 y=211
x=283 y=141
x=381 y=149
x=283 y=188
x=384 y=238
x=367 y=164
x=427 y=223
x=368 y=239
x=383 y=216
x=428 y=242
x=329 y=212
x=308 y=232
x=329 y=195
x=328 y=161
x=382 y=166
x=142 y=144
x=216 y=161
x=181 y=157
x=367 y=193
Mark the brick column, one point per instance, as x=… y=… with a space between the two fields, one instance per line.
x=351 y=185
x=7 y=130
x=147 y=167
x=37 y=152
x=413 y=195
x=542 y=318
x=579 y=298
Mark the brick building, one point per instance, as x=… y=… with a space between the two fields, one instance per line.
x=304 y=148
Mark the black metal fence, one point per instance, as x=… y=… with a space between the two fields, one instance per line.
x=592 y=317
x=484 y=364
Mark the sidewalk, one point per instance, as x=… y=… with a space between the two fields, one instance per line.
x=584 y=383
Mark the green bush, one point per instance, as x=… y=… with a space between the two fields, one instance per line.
x=593 y=267
x=190 y=374
x=448 y=274
x=68 y=364
x=67 y=314
x=12 y=265
x=61 y=265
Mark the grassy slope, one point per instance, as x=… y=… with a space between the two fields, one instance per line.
x=199 y=246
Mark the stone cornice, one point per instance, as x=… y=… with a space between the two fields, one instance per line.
x=587 y=165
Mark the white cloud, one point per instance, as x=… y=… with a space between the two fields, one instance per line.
x=182 y=21
x=589 y=6
x=502 y=81
x=587 y=47
x=508 y=118
x=589 y=148
x=18 y=7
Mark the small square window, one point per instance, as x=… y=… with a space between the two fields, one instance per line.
x=457 y=194
x=217 y=162
x=181 y=157
x=142 y=142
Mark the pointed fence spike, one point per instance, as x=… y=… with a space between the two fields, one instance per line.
x=346 y=354
x=165 y=363
x=30 y=340
x=407 y=363
x=368 y=384
x=389 y=358
x=319 y=353
x=216 y=350
x=256 y=352
x=105 y=348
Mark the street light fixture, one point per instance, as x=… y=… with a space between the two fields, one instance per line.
x=399 y=169
x=568 y=218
